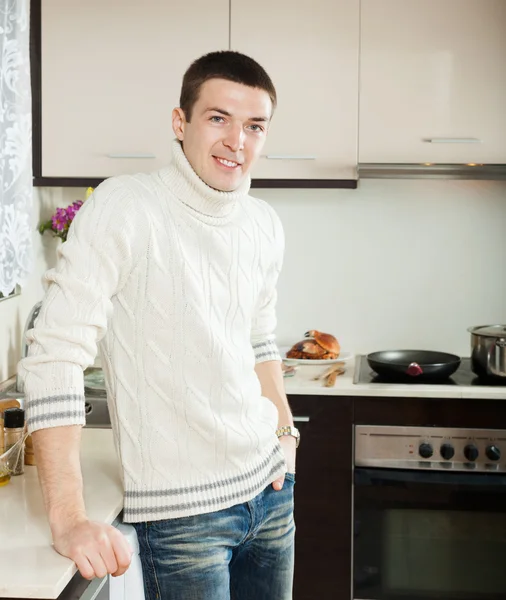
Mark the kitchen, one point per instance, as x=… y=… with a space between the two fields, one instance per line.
x=395 y=263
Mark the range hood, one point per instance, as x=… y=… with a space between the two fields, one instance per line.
x=431 y=171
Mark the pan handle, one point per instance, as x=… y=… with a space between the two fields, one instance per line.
x=414 y=369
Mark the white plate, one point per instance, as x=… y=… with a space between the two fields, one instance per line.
x=308 y=361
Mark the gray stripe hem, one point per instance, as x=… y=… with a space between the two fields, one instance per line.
x=262 y=344
x=69 y=398
x=268 y=353
x=74 y=415
x=202 y=504
x=206 y=486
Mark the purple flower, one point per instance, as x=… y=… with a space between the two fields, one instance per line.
x=60 y=219
x=72 y=210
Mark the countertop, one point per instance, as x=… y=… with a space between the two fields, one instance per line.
x=302 y=383
x=29 y=566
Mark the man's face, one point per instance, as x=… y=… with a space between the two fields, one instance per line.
x=227 y=132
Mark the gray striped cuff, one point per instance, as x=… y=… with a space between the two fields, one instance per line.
x=265 y=351
x=55 y=411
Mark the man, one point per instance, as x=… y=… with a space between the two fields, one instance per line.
x=174 y=274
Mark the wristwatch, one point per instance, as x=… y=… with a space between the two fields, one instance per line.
x=289 y=430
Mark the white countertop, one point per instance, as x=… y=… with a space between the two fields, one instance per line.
x=29 y=566
x=302 y=383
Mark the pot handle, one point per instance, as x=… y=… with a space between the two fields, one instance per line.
x=414 y=369
x=501 y=354
x=494 y=359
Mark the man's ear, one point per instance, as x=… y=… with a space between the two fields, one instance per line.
x=178 y=123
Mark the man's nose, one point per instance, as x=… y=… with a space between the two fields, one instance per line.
x=235 y=138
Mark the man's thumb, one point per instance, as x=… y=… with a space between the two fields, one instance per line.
x=278 y=484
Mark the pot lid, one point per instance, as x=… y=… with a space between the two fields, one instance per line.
x=489 y=330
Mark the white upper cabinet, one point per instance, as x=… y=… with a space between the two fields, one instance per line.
x=310 y=50
x=433 y=81
x=111 y=75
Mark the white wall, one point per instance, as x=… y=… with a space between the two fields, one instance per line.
x=396 y=263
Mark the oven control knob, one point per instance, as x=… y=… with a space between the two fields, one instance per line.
x=493 y=452
x=471 y=452
x=447 y=451
x=425 y=450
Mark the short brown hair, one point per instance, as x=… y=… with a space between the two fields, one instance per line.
x=225 y=64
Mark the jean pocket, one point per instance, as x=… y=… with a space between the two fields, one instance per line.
x=290 y=477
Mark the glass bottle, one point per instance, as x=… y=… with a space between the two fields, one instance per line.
x=14 y=433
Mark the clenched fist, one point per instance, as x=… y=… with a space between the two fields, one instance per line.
x=96 y=548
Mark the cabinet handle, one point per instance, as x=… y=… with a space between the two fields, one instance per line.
x=289 y=157
x=453 y=141
x=301 y=419
x=130 y=155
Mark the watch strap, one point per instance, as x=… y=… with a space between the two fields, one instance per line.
x=291 y=431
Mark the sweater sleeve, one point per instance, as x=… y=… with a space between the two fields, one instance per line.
x=264 y=320
x=103 y=244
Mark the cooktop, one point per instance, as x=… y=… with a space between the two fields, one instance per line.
x=464 y=376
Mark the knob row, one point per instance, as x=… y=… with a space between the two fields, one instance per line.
x=471 y=452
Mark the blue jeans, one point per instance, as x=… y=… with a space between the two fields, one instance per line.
x=245 y=552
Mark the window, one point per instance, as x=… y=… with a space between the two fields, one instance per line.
x=15 y=292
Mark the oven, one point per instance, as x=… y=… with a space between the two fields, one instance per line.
x=429 y=513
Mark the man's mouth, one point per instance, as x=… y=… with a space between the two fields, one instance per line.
x=230 y=164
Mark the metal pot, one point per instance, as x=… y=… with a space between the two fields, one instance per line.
x=488 y=350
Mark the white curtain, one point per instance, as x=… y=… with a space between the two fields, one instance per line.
x=15 y=145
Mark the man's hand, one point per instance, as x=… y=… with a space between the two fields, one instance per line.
x=288 y=444
x=270 y=376
x=96 y=548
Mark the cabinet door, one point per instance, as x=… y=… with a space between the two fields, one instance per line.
x=323 y=497
x=310 y=50
x=433 y=70
x=111 y=75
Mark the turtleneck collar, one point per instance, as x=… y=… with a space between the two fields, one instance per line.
x=209 y=204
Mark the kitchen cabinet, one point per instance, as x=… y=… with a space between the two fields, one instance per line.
x=111 y=74
x=310 y=50
x=323 y=496
x=106 y=75
x=433 y=81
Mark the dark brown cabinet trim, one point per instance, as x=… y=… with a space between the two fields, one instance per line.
x=350 y=184
x=36 y=84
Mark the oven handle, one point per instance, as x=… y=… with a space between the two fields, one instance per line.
x=401 y=477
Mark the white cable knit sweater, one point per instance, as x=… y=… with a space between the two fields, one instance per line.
x=176 y=282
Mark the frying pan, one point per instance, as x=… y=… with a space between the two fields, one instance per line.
x=413 y=365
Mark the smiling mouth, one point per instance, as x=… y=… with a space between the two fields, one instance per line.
x=230 y=164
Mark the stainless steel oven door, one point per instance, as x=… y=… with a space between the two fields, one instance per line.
x=427 y=535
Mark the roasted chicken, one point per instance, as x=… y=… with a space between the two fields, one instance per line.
x=316 y=346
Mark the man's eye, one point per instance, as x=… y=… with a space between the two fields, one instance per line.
x=216 y=119
x=256 y=128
